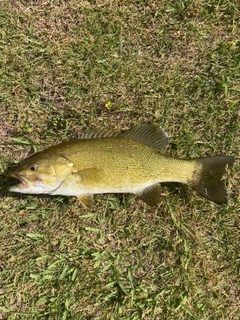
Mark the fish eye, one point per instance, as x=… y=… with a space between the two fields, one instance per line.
x=33 y=167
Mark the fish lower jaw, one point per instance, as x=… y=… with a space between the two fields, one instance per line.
x=21 y=185
x=27 y=187
x=27 y=190
x=22 y=182
x=20 y=188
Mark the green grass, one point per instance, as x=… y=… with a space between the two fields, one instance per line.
x=170 y=63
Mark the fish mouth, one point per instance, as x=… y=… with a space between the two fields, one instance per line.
x=22 y=182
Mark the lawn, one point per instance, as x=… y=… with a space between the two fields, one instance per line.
x=68 y=66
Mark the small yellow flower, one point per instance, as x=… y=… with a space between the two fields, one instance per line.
x=25 y=126
x=108 y=104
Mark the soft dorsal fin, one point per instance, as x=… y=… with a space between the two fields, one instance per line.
x=154 y=137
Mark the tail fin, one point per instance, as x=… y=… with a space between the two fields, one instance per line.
x=208 y=177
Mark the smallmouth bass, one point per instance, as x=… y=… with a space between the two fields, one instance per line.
x=119 y=162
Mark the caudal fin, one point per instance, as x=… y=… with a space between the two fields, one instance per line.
x=208 y=178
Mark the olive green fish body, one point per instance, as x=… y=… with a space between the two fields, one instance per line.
x=120 y=165
x=128 y=162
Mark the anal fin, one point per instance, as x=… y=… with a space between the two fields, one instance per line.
x=150 y=195
x=86 y=200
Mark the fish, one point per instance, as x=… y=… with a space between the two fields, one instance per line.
x=131 y=161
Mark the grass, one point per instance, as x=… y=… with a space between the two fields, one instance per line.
x=67 y=66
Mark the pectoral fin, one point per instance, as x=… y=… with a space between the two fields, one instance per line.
x=86 y=200
x=150 y=195
x=89 y=176
x=87 y=179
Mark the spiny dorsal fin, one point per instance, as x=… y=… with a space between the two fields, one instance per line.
x=154 y=137
x=102 y=133
x=150 y=195
x=86 y=200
